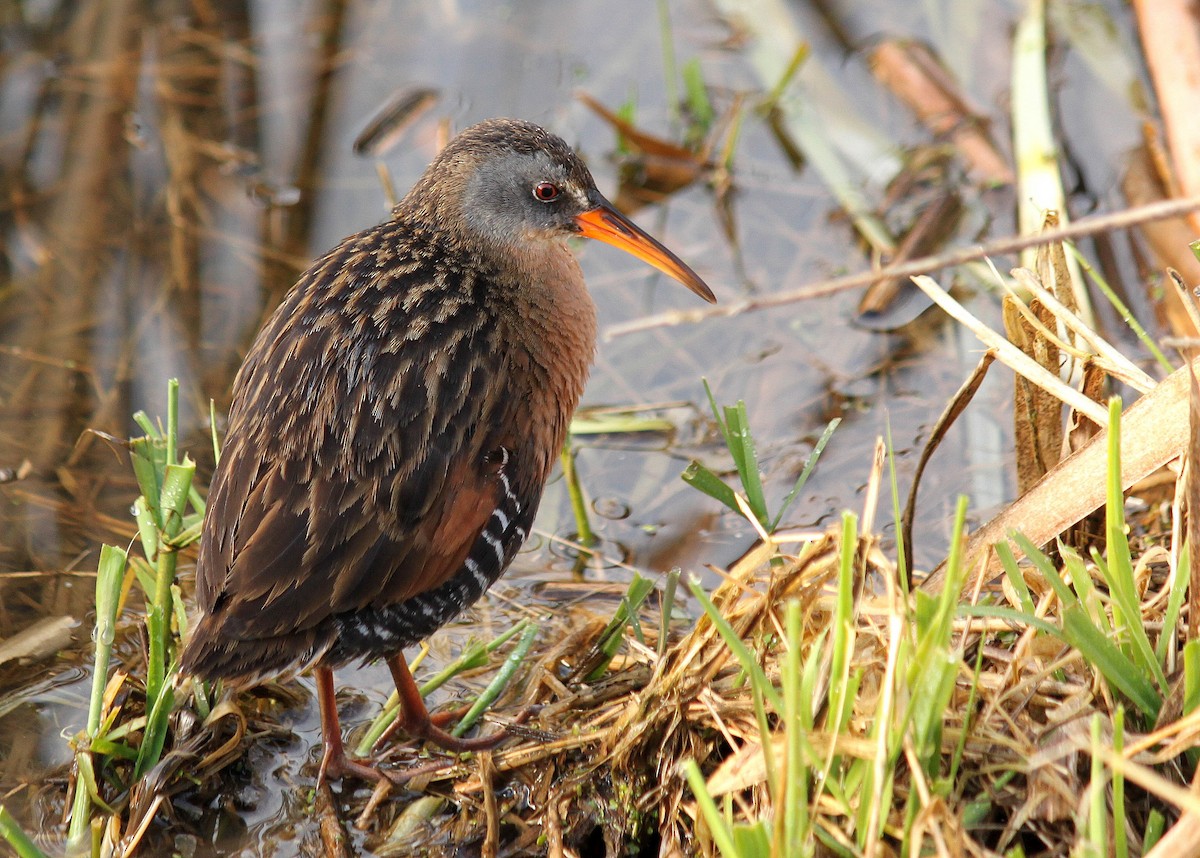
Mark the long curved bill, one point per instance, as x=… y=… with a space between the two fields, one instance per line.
x=606 y=224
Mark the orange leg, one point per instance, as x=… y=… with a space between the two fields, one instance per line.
x=415 y=720
x=335 y=763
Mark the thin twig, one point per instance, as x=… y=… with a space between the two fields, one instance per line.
x=1088 y=226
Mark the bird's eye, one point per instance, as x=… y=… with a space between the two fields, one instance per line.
x=545 y=192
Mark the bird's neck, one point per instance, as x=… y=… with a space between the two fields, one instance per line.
x=549 y=322
x=546 y=316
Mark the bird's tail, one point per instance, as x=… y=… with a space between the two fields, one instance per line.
x=211 y=653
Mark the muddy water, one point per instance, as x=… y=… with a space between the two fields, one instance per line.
x=169 y=169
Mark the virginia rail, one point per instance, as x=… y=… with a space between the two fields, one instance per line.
x=396 y=419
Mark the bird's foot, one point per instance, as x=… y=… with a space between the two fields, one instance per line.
x=430 y=729
x=438 y=719
x=337 y=765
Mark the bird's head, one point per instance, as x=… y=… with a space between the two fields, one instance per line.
x=509 y=183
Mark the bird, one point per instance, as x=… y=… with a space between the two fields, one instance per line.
x=394 y=422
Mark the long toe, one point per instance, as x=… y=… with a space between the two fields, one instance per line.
x=338 y=766
x=432 y=732
x=439 y=719
x=438 y=736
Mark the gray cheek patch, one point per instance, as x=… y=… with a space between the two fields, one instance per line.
x=499 y=202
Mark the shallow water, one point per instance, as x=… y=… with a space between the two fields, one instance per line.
x=169 y=169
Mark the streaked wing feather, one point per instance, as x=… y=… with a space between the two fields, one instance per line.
x=354 y=470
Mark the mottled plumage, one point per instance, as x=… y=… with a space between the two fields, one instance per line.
x=396 y=419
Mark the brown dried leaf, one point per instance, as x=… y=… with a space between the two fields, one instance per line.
x=746 y=767
x=1037 y=414
x=1192 y=463
x=1167 y=238
x=934 y=224
x=231 y=749
x=1171 y=45
x=961 y=399
x=1052 y=270
x=915 y=76
x=644 y=142
x=661 y=167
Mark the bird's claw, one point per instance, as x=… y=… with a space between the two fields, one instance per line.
x=431 y=730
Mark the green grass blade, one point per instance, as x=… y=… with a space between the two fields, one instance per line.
x=155 y=736
x=897 y=516
x=699 y=477
x=1096 y=837
x=935 y=664
x=746 y=659
x=794 y=807
x=474 y=654
x=1081 y=581
x=81 y=812
x=721 y=834
x=148 y=460
x=1013 y=572
x=1179 y=588
x=1120 y=562
x=110 y=573
x=1191 y=676
x=745 y=454
x=15 y=836
x=173 y=502
x=735 y=431
x=770 y=764
x=613 y=634
x=1130 y=626
x=147 y=527
x=148 y=426
x=503 y=676
x=809 y=464
x=960 y=747
x=1120 y=832
x=618 y=423
x=1016 y=617
x=670 y=71
x=177 y=480
x=803 y=49
x=1156 y=826
x=1123 y=311
x=1104 y=655
x=667 y=606
x=172 y=421
x=87 y=774
x=1039 y=559
x=716 y=412
x=932 y=688
x=753 y=840
x=840 y=701
x=698 y=103
x=584 y=534
x=809 y=682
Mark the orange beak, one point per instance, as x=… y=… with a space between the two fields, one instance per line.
x=610 y=226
